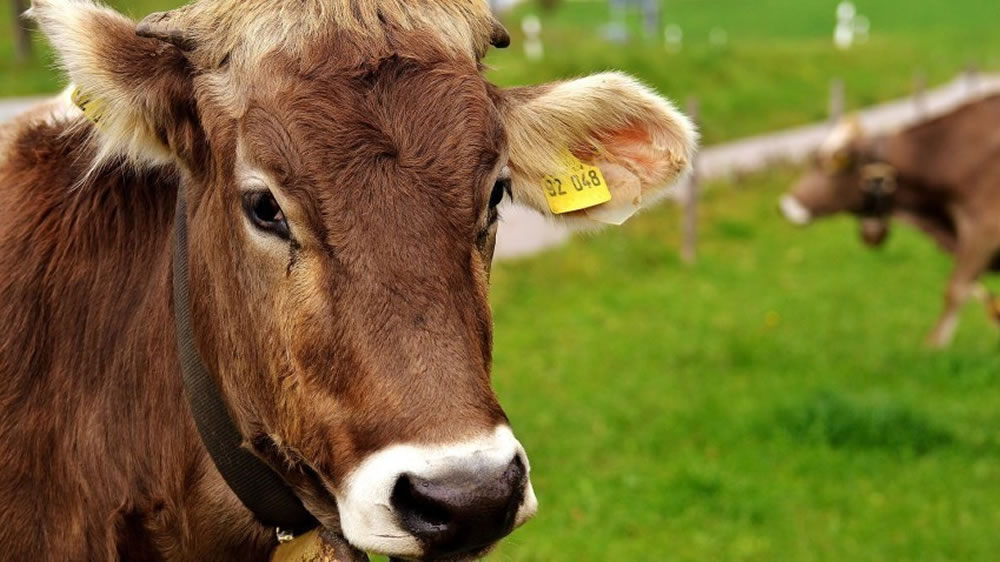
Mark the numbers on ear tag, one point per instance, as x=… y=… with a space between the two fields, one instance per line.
x=575 y=187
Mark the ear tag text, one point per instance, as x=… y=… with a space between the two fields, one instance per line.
x=575 y=187
x=92 y=108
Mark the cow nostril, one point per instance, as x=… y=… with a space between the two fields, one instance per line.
x=462 y=511
x=421 y=513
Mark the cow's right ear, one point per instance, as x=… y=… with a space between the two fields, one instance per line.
x=603 y=138
x=138 y=90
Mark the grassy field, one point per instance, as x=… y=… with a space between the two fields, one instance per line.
x=773 y=402
x=774 y=72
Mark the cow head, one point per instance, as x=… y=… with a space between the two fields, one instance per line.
x=342 y=163
x=843 y=178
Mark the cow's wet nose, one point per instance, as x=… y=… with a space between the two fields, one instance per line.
x=794 y=211
x=461 y=511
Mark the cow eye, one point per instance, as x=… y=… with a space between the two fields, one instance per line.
x=265 y=213
x=501 y=186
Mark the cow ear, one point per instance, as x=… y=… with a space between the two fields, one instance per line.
x=640 y=143
x=137 y=90
x=840 y=149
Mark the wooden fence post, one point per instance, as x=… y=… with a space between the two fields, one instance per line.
x=22 y=37
x=837 y=104
x=971 y=77
x=689 y=250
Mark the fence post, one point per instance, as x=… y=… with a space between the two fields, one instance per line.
x=22 y=38
x=689 y=250
x=919 y=87
x=971 y=79
x=836 y=100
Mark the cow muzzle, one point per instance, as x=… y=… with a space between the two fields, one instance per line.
x=794 y=211
x=461 y=511
x=440 y=502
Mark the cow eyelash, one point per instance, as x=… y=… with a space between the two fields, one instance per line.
x=263 y=211
x=500 y=188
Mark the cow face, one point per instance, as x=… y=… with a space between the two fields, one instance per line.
x=833 y=182
x=342 y=163
x=839 y=180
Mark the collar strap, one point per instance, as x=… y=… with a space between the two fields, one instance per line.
x=878 y=185
x=260 y=489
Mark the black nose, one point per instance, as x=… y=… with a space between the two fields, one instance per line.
x=462 y=511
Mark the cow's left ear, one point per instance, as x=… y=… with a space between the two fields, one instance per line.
x=137 y=89
x=639 y=142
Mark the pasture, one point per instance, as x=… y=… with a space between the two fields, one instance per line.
x=772 y=402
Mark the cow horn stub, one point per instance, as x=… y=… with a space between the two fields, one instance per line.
x=500 y=37
x=164 y=26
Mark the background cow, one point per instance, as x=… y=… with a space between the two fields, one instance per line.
x=341 y=163
x=942 y=175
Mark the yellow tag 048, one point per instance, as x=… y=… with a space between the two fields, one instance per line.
x=576 y=187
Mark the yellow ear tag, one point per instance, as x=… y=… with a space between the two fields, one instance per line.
x=575 y=187
x=91 y=107
x=309 y=547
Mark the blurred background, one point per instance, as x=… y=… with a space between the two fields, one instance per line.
x=770 y=399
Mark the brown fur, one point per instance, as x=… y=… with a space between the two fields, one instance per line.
x=370 y=326
x=90 y=268
x=99 y=447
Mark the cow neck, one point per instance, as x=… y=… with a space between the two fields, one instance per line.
x=260 y=489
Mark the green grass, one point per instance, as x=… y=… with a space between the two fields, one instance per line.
x=773 y=402
x=775 y=71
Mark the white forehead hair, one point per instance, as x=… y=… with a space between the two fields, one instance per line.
x=846 y=132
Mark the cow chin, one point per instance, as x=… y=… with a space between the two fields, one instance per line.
x=441 y=502
x=874 y=232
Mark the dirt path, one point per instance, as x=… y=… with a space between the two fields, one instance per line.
x=524 y=232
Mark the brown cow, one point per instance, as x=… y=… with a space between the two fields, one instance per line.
x=341 y=163
x=942 y=176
